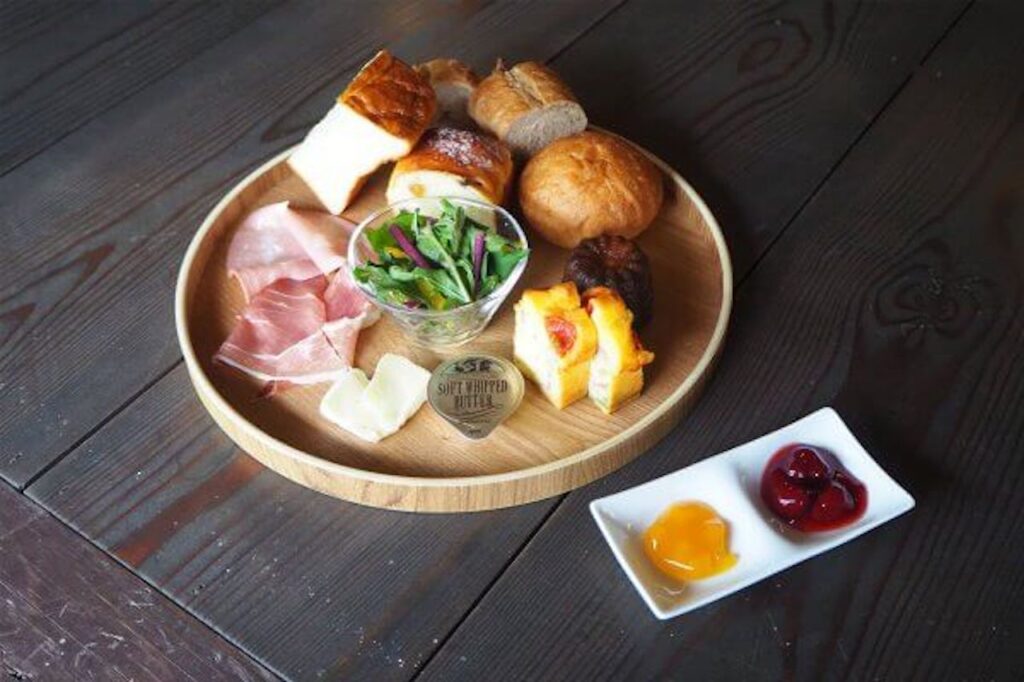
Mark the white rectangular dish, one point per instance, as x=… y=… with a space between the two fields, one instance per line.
x=730 y=482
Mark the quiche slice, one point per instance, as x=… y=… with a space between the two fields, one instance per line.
x=617 y=370
x=554 y=342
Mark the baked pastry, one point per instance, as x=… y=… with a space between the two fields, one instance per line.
x=453 y=83
x=617 y=370
x=588 y=185
x=378 y=119
x=618 y=263
x=527 y=106
x=453 y=163
x=554 y=342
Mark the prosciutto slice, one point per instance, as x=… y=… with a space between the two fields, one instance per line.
x=343 y=298
x=347 y=312
x=303 y=313
x=279 y=242
x=279 y=335
x=299 y=332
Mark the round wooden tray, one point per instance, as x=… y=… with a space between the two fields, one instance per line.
x=428 y=466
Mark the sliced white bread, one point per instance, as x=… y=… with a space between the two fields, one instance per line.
x=379 y=118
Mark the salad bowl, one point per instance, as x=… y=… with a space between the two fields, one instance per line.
x=450 y=315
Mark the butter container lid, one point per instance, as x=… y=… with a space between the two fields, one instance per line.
x=475 y=393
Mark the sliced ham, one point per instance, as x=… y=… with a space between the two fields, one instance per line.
x=303 y=312
x=344 y=299
x=299 y=332
x=279 y=336
x=342 y=335
x=347 y=312
x=278 y=242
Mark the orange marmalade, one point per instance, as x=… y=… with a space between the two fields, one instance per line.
x=689 y=541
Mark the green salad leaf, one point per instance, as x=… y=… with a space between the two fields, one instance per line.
x=446 y=245
x=386 y=287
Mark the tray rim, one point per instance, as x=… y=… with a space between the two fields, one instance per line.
x=217 y=403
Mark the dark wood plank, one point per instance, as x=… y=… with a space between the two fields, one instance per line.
x=71 y=613
x=98 y=56
x=160 y=486
x=21 y=21
x=313 y=587
x=896 y=296
x=105 y=179
x=96 y=226
x=752 y=102
x=310 y=585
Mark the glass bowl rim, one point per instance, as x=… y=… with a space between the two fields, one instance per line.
x=498 y=294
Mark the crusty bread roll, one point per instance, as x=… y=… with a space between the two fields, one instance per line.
x=527 y=106
x=453 y=163
x=453 y=83
x=378 y=119
x=588 y=185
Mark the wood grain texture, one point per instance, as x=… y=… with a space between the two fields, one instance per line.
x=312 y=586
x=897 y=297
x=102 y=289
x=98 y=56
x=96 y=226
x=197 y=495
x=149 y=485
x=428 y=466
x=27 y=56
x=22 y=21
x=752 y=102
x=69 y=612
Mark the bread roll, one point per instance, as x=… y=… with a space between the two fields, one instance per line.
x=453 y=163
x=453 y=83
x=378 y=119
x=588 y=185
x=527 y=106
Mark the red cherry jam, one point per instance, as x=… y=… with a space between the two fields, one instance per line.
x=808 y=489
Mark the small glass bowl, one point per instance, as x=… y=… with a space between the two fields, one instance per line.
x=441 y=328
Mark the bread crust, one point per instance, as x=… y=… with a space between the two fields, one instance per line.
x=448 y=72
x=391 y=94
x=453 y=83
x=506 y=95
x=482 y=161
x=587 y=185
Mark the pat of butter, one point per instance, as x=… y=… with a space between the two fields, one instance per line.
x=398 y=389
x=376 y=408
x=343 y=404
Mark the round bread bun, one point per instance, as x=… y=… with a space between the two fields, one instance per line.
x=587 y=185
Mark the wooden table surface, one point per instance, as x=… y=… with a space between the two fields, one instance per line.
x=866 y=162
